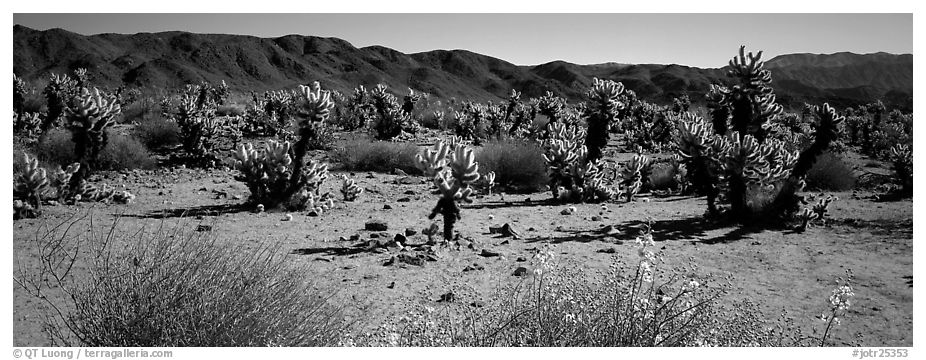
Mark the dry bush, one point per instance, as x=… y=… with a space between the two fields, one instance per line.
x=831 y=172
x=175 y=287
x=158 y=133
x=378 y=156
x=122 y=152
x=518 y=164
x=565 y=306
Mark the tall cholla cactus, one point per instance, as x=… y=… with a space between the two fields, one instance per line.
x=197 y=122
x=313 y=107
x=391 y=118
x=433 y=160
x=88 y=119
x=350 y=189
x=454 y=186
x=602 y=110
x=750 y=103
x=278 y=174
x=408 y=102
x=902 y=158
x=58 y=93
x=490 y=181
x=19 y=100
x=816 y=213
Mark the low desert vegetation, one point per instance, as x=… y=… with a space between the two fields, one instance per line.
x=122 y=152
x=172 y=288
x=518 y=164
x=376 y=156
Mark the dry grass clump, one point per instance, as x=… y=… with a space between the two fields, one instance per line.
x=377 y=156
x=518 y=164
x=122 y=152
x=174 y=287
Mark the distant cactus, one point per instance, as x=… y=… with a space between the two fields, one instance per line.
x=391 y=118
x=88 y=120
x=572 y=177
x=278 y=175
x=604 y=109
x=490 y=181
x=19 y=100
x=817 y=213
x=452 y=166
x=59 y=92
x=32 y=185
x=902 y=159
x=350 y=189
x=408 y=102
x=633 y=175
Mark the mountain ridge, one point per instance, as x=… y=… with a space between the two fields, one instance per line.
x=245 y=62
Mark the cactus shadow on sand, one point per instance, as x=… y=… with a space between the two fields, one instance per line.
x=207 y=210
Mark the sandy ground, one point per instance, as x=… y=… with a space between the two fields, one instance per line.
x=779 y=270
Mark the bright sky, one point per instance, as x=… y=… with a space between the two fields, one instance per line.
x=702 y=40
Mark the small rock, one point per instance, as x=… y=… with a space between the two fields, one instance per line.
x=391 y=285
x=236 y=197
x=521 y=259
x=489 y=253
x=342 y=238
x=387 y=207
x=520 y=271
x=376 y=225
x=384 y=235
x=596 y=218
x=374 y=236
x=323 y=259
x=400 y=238
x=410 y=232
x=287 y=217
x=405 y=199
x=608 y=250
x=531 y=229
x=202 y=228
x=355 y=237
x=410 y=192
x=448 y=297
x=491 y=217
x=478 y=304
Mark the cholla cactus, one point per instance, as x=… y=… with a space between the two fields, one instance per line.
x=313 y=107
x=433 y=160
x=27 y=125
x=551 y=106
x=572 y=177
x=277 y=175
x=88 y=119
x=391 y=118
x=59 y=92
x=902 y=158
x=816 y=213
x=350 y=189
x=603 y=110
x=453 y=184
x=634 y=173
x=19 y=100
x=490 y=181
x=30 y=183
x=408 y=104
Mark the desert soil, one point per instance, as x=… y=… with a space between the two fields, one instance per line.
x=780 y=270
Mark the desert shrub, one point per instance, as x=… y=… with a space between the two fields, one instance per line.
x=831 y=172
x=173 y=287
x=230 y=110
x=518 y=164
x=140 y=111
x=635 y=305
x=122 y=152
x=663 y=177
x=378 y=156
x=158 y=133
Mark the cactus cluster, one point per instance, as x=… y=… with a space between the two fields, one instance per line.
x=572 y=177
x=633 y=175
x=269 y=114
x=200 y=127
x=88 y=120
x=453 y=167
x=902 y=160
x=59 y=93
x=278 y=175
x=391 y=118
x=733 y=158
x=350 y=189
x=816 y=213
x=604 y=110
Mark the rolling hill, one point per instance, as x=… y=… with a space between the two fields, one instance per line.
x=246 y=63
